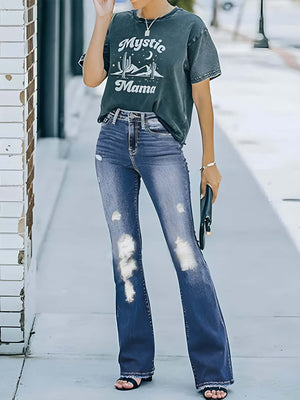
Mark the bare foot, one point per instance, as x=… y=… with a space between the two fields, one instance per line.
x=215 y=394
x=127 y=385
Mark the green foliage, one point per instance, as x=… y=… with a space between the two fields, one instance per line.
x=185 y=4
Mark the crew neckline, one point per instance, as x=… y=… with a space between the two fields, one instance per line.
x=169 y=14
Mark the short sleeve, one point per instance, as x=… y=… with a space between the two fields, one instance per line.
x=106 y=50
x=203 y=58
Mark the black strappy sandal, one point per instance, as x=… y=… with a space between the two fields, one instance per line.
x=133 y=381
x=213 y=388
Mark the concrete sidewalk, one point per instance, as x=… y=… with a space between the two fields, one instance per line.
x=254 y=264
x=256 y=102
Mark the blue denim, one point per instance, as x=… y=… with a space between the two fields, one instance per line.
x=134 y=145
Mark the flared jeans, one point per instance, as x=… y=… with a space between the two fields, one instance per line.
x=132 y=145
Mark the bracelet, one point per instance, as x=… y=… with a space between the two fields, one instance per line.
x=207 y=165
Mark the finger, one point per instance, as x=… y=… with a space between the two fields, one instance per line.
x=215 y=193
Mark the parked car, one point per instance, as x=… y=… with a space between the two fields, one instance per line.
x=227 y=5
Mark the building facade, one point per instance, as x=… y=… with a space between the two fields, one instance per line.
x=40 y=43
x=18 y=111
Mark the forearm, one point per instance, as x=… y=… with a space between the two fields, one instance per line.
x=206 y=122
x=93 y=66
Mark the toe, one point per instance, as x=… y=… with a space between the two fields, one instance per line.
x=127 y=384
x=118 y=384
x=214 y=394
x=222 y=394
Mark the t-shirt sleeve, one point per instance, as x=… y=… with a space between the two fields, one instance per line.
x=203 y=58
x=106 y=51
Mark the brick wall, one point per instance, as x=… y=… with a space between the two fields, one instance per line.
x=18 y=98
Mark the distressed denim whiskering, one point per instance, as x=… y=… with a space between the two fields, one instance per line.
x=134 y=145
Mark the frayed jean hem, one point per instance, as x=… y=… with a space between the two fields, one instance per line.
x=212 y=384
x=136 y=375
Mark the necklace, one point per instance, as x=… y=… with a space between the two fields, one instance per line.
x=147 y=31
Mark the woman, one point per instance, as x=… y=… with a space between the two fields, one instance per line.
x=159 y=60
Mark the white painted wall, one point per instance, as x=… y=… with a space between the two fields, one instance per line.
x=16 y=102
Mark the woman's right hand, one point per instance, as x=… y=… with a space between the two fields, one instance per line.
x=104 y=7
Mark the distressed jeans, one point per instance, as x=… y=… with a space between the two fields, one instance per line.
x=132 y=145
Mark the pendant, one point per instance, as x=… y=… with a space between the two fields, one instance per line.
x=147 y=32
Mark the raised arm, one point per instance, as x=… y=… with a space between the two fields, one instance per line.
x=93 y=64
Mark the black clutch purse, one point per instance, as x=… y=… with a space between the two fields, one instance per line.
x=206 y=215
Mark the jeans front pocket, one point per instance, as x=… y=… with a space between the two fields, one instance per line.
x=103 y=127
x=154 y=126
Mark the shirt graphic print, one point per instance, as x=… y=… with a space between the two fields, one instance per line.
x=142 y=63
x=155 y=73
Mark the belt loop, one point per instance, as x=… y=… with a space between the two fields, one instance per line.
x=116 y=115
x=143 y=119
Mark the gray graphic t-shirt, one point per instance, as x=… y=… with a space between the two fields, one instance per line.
x=156 y=72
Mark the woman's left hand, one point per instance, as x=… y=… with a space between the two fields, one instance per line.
x=212 y=177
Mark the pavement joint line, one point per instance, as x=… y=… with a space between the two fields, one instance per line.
x=167 y=358
x=19 y=379
x=46 y=356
